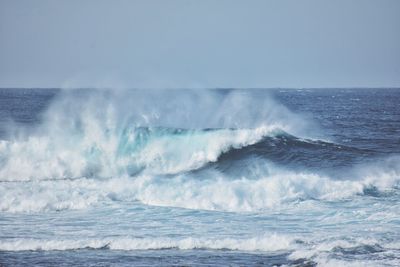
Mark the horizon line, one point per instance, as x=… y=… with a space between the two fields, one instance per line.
x=198 y=88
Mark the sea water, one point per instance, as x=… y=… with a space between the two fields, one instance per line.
x=200 y=177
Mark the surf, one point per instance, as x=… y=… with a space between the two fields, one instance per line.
x=95 y=147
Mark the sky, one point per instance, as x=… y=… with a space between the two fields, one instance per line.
x=200 y=44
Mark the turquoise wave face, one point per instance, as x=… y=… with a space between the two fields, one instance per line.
x=95 y=152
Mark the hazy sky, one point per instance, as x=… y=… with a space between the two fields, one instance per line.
x=218 y=43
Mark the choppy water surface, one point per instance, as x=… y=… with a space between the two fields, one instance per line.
x=211 y=177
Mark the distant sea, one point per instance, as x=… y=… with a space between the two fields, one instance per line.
x=218 y=177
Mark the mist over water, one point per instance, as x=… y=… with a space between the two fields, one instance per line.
x=310 y=176
x=89 y=133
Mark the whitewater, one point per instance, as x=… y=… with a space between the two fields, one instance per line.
x=200 y=177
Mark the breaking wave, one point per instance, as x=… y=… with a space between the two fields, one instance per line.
x=198 y=150
x=133 y=150
x=94 y=134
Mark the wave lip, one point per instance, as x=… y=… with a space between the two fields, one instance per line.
x=131 y=151
x=157 y=151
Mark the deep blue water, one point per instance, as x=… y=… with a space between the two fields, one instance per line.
x=200 y=178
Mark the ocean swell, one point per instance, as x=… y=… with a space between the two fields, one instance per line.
x=96 y=148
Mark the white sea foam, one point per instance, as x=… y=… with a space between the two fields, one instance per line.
x=320 y=251
x=299 y=248
x=270 y=242
x=215 y=191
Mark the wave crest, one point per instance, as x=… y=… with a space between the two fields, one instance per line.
x=133 y=150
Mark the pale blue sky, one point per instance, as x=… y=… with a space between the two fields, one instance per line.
x=203 y=43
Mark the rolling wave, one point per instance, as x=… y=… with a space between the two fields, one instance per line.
x=92 y=156
x=160 y=150
x=137 y=132
x=130 y=151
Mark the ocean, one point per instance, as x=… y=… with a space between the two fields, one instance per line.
x=219 y=177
